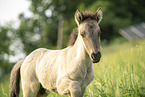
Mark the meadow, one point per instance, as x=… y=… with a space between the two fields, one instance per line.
x=120 y=73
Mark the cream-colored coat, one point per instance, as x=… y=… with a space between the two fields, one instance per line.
x=59 y=71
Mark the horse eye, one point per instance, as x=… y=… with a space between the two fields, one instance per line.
x=83 y=34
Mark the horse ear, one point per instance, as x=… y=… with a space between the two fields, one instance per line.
x=99 y=15
x=78 y=17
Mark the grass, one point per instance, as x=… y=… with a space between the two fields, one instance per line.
x=121 y=72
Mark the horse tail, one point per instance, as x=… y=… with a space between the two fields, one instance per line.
x=15 y=80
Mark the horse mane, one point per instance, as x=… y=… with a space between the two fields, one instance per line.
x=73 y=37
x=88 y=15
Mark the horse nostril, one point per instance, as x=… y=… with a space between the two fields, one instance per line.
x=96 y=56
x=93 y=55
x=99 y=54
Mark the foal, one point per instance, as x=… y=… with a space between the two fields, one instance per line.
x=68 y=71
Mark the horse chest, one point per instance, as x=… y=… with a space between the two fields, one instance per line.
x=77 y=76
x=78 y=73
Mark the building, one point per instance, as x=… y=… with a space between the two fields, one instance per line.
x=134 y=32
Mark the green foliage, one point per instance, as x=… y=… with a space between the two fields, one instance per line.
x=122 y=68
x=46 y=14
x=120 y=73
x=40 y=30
x=4 y=50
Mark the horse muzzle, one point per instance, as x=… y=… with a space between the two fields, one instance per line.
x=95 y=57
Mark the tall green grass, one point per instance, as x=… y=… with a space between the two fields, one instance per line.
x=120 y=73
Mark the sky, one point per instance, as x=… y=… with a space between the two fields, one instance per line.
x=10 y=9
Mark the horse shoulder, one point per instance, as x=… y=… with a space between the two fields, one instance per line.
x=29 y=64
x=47 y=69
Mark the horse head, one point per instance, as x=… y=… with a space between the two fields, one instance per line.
x=89 y=30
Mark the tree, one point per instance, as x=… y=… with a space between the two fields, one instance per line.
x=5 y=41
x=40 y=30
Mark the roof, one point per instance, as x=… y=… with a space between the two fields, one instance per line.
x=133 y=32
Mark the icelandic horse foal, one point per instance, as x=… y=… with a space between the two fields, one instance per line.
x=68 y=71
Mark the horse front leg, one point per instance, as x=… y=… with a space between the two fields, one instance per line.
x=75 y=89
x=69 y=87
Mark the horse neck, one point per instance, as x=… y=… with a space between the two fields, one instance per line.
x=79 y=49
